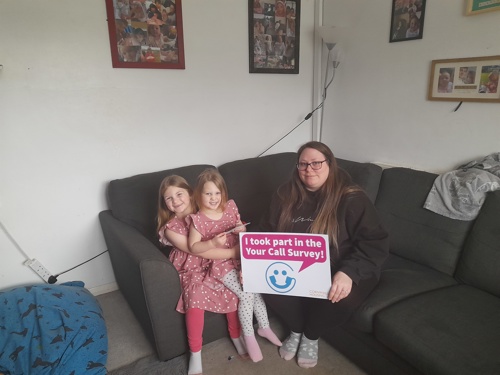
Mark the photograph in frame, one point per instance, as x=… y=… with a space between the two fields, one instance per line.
x=146 y=34
x=481 y=6
x=274 y=36
x=466 y=79
x=407 y=20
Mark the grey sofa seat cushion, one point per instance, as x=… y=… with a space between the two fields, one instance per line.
x=450 y=331
x=366 y=175
x=481 y=257
x=134 y=200
x=411 y=227
x=400 y=279
x=252 y=182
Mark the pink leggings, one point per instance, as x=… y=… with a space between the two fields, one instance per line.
x=195 y=320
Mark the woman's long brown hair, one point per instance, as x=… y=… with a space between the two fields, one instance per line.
x=336 y=186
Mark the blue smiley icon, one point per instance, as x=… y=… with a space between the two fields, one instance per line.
x=279 y=277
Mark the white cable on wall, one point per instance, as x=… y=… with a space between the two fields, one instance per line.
x=14 y=242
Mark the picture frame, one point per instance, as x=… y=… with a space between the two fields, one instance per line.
x=407 y=20
x=274 y=36
x=146 y=37
x=473 y=7
x=472 y=79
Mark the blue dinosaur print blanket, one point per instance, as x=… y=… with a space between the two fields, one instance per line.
x=52 y=329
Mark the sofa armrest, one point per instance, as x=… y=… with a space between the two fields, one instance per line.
x=150 y=284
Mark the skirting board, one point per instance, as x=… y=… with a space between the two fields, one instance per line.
x=102 y=289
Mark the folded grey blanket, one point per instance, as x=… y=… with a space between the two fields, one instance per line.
x=459 y=194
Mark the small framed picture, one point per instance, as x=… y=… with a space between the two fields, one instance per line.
x=146 y=36
x=480 y=6
x=407 y=21
x=274 y=35
x=472 y=79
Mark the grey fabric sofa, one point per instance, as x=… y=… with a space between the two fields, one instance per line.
x=436 y=309
x=145 y=276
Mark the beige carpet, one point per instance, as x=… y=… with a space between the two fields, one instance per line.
x=131 y=354
x=218 y=359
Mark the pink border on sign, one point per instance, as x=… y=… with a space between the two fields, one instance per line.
x=305 y=248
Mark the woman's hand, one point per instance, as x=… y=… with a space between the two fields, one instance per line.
x=341 y=287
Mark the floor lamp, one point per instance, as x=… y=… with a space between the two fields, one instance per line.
x=331 y=36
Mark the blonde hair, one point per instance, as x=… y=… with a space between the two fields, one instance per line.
x=211 y=175
x=164 y=214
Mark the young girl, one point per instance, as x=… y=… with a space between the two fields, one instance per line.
x=200 y=292
x=208 y=230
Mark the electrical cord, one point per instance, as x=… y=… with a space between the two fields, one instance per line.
x=14 y=242
x=320 y=105
x=53 y=278
x=309 y=115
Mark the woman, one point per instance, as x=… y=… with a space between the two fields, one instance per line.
x=320 y=198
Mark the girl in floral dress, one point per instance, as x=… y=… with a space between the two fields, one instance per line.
x=209 y=229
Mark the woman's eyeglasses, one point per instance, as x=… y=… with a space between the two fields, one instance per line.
x=315 y=165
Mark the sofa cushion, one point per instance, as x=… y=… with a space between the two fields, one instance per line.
x=400 y=279
x=411 y=227
x=366 y=175
x=479 y=263
x=453 y=331
x=252 y=182
x=134 y=200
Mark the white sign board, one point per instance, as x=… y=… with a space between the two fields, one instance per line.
x=292 y=264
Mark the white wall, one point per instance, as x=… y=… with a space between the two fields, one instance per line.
x=69 y=122
x=377 y=109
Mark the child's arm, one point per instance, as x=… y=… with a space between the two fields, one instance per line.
x=180 y=242
x=197 y=246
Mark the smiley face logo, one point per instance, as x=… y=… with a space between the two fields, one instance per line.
x=279 y=277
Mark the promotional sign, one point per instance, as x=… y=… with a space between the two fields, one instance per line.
x=292 y=264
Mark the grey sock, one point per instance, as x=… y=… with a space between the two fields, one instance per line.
x=308 y=352
x=290 y=346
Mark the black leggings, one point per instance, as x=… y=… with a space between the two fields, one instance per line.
x=313 y=316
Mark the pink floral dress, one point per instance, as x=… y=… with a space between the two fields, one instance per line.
x=199 y=289
x=209 y=228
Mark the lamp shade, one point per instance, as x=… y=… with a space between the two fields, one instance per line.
x=331 y=35
x=328 y=35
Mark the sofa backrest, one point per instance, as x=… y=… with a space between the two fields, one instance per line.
x=479 y=265
x=134 y=200
x=366 y=175
x=416 y=233
x=252 y=182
